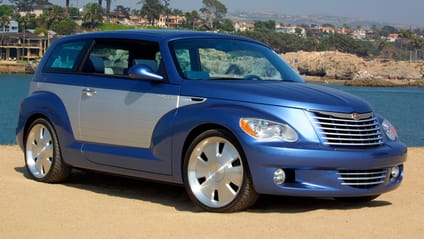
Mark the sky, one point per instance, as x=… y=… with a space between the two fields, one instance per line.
x=410 y=12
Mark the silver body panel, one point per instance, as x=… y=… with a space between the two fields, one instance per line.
x=124 y=118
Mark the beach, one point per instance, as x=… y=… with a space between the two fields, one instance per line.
x=91 y=205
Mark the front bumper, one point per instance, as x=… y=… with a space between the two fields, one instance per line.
x=315 y=172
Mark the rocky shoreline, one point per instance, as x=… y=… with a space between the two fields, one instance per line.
x=17 y=67
x=348 y=69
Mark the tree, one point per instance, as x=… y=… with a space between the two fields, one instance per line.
x=265 y=25
x=418 y=44
x=5 y=20
x=151 y=9
x=65 y=26
x=92 y=14
x=407 y=34
x=108 y=5
x=387 y=30
x=192 y=18
x=124 y=11
x=6 y=10
x=213 y=10
x=167 y=10
x=23 y=5
x=55 y=14
x=225 y=25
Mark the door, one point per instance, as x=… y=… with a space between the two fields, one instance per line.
x=118 y=116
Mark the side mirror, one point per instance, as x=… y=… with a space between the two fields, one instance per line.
x=143 y=72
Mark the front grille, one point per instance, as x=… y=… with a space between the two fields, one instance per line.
x=347 y=130
x=362 y=178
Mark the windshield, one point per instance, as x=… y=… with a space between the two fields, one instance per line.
x=225 y=59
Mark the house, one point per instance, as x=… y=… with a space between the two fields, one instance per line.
x=359 y=34
x=171 y=21
x=22 y=46
x=12 y=26
x=292 y=30
x=393 y=37
x=244 y=26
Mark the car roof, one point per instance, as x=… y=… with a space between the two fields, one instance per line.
x=156 y=35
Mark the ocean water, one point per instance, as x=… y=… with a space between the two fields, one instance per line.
x=13 y=88
x=404 y=107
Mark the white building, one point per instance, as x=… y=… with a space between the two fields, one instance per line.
x=12 y=26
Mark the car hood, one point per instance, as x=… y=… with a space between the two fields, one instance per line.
x=286 y=94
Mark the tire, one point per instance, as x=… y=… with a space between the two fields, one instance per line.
x=216 y=174
x=362 y=199
x=43 y=158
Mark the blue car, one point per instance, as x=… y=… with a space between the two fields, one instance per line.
x=222 y=115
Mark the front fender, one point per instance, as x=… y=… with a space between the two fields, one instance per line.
x=213 y=114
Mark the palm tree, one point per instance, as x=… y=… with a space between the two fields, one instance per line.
x=108 y=5
x=5 y=22
x=92 y=14
x=151 y=9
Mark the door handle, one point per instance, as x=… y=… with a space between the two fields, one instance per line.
x=88 y=92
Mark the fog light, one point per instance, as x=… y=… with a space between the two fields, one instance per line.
x=394 y=173
x=279 y=176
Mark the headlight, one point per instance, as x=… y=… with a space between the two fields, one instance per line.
x=389 y=130
x=267 y=130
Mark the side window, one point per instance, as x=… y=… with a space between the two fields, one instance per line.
x=115 y=57
x=107 y=60
x=65 y=57
x=183 y=59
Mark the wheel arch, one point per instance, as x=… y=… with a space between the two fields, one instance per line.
x=49 y=107
x=203 y=128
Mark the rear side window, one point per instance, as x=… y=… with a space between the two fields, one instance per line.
x=65 y=56
x=115 y=56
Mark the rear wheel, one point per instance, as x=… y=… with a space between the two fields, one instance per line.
x=43 y=158
x=216 y=175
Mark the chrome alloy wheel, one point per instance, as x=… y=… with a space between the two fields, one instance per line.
x=215 y=172
x=39 y=151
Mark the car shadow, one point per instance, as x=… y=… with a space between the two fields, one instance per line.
x=175 y=196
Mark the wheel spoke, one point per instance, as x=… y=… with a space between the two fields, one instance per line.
x=215 y=172
x=234 y=175
x=211 y=151
x=228 y=155
x=201 y=168
x=208 y=190
x=226 y=193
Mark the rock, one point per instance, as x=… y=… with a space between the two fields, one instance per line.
x=343 y=66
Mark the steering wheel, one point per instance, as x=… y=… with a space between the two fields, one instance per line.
x=252 y=77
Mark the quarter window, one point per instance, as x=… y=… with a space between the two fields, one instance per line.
x=65 y=57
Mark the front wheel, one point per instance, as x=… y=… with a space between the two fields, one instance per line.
x=216 y=175
x=43 y=158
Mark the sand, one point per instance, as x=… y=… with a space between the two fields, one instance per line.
x=90 y=205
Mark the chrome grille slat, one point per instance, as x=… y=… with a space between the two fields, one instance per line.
x=340 y=129
x=362 y=178
x=355 y=144
x=347 y=125
x=343 y=134
x=364 y=184
x=344 y=120
x=350 y=139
